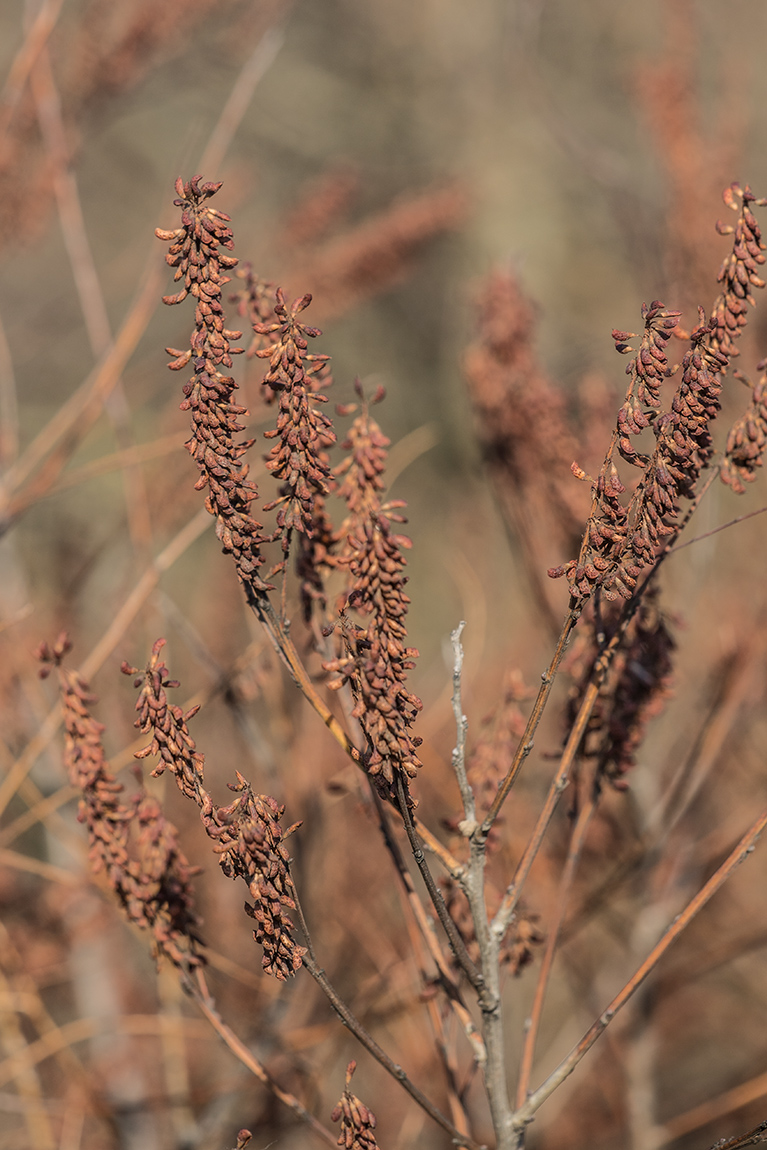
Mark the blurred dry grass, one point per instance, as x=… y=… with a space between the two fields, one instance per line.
x=584 y=149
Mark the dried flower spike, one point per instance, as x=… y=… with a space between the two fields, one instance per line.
x=132 y=844
x=747 y=441
x=195 y=254
x=299 y=458
x=634 y=692
x=249 y=840
x=738 y=273
x=610 y=529
x=375 y=660
x=357 y=1122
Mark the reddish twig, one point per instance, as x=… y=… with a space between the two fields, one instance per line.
x=744 y=848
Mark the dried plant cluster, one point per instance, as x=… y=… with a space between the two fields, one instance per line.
x=357 y=1122
x=623 y=540
x=195 y=254
x=247 y=834
x=454 y=932
x=132 y=844
x=350 y=581
x=375 y=660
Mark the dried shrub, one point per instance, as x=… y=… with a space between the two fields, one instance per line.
x=132 y=844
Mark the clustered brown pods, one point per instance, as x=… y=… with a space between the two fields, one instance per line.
x=195 y=253
x=375 y=660
x=747 y=441
x=304 y=434
x=132 y=844
x=621 y=539
x=247 y=833
x=635 y=690
x=739 y=270
x=357 y=1122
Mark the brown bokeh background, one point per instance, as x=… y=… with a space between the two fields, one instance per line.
x=387 y=158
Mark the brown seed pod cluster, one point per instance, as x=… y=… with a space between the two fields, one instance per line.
x=132 y=843
x=634 y=692
x=739 y=271
x=606 y=556
x=646 y=372
x=360 y=476
x=247 y=833
x=375 y=660
x=315 y=556
x=255 y=303
x=168 y=725
x=195 y=253
x=250 y=845
x=299 y=458
x=620 y=541
x=747 y=441
x=357 y=1122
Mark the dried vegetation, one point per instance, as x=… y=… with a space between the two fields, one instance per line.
x=472 y=897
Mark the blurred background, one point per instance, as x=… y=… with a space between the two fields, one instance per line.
x=391 y=159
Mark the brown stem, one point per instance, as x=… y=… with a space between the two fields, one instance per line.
x=526 y=742
x=197 y=988
x=559 y=782
x=524 y=1114
x=447 y=982
x=459 y=948
x=393 y=1068
x=577 y=839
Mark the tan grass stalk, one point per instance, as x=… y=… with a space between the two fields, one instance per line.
x=738 y=855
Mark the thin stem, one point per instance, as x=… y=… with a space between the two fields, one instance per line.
x=461 y=726
x=370 y=1044
x=745 y=847
x=473 y=885
x=559 y=782
x=577 y=839
x=447 y=982
x=527 y=741
x=456 y=942
x=197 y=989
x=716 y=530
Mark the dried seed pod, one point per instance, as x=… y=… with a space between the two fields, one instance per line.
x=374 y=659
x=739 y=270
x=132 y=844
x=299 y=458
x=634 y=692
x=195 y=253
x=747 y=441
x=357 y=1122
x=247 y=833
